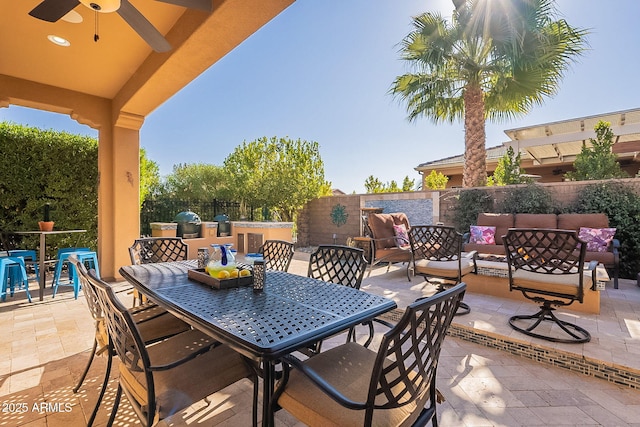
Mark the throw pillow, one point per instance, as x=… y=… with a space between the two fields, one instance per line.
x=482 y=235
x=402 y=237
x=597 y=239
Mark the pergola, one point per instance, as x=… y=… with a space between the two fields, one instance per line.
x=562 y=141
x=114 y=83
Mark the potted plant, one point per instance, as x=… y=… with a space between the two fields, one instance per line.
x=47 y=224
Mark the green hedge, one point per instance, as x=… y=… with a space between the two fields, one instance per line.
x=46 y=166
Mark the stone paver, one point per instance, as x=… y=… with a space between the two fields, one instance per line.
x=47 y=344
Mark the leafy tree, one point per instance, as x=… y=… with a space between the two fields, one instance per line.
x=278 y=173
x=197 y=182
x=494 y=60
x=408 y=184
x=598 y=162
x=436 y=181
x=149 y=176
x=508 y=170
x=392 y=187
x=373 y=185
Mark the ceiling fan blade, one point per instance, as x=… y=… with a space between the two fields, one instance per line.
x=52 y=10
x=206 y=5
x=143 y=27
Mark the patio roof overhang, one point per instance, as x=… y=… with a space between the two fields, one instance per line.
x=114 y=83
x=562 y=141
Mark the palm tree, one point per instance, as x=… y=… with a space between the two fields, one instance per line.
x=495 y=60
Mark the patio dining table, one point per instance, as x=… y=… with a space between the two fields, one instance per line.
x=291 y=312
x=43 y=252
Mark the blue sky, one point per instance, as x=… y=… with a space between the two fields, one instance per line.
x=321 y=71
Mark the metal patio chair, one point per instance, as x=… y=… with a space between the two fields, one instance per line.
x=351 y=385
x=437 y=253
x=548 y=267
x=277 y=254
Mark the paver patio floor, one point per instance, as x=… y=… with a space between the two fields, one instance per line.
x=46 y=345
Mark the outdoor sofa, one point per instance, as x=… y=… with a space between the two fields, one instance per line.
x=486 y=236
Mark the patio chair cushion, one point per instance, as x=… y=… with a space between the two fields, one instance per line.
x=185 y=384
x=444 y=268
x=348 y=368
x=381 y=226
x=562 y=283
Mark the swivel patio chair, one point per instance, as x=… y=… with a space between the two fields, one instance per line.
x=161 y=379
x=437 y=253
x=342 y=265
x=277 y=254
x=149 y=250
x=548 y=267
x=351 y=385
x=154 y=324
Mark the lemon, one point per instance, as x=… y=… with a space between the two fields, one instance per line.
x=245 y=273
x=233 y=273
x=224 y=274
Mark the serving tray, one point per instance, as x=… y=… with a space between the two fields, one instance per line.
x=199 y=275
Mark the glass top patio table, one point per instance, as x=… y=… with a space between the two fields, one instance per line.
x=291 y=312
x=43 y=252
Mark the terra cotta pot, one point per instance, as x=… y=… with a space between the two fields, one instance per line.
x=46 y=225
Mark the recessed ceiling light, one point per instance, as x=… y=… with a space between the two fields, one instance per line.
x=73 y=17
x=58 y=40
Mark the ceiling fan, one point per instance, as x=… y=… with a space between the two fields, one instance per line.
x=52 y=10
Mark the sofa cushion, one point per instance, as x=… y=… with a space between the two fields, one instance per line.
x=502 y=222
x=598 y=239
x=482 y=235
x=536 y=221
x=485 y=249
x=574 y=221
x=605 y=258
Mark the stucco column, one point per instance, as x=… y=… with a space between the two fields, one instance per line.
x=119 y=193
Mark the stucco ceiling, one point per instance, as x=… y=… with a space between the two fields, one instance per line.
x=121 y=66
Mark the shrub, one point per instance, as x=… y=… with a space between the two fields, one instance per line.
x=470 y=204
x=622 y=207
x=45 y=166
x=531 y=198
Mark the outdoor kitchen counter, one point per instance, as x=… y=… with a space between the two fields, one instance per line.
x=246 y=236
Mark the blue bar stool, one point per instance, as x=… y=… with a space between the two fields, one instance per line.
x=27 y=254
x=12 y=270
x=85 y=256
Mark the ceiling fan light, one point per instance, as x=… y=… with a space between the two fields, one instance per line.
x=60 y=41
x=103 y=6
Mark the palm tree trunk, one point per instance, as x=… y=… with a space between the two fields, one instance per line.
x=474 y=173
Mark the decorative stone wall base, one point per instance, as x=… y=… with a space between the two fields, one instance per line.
x=577 y=363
